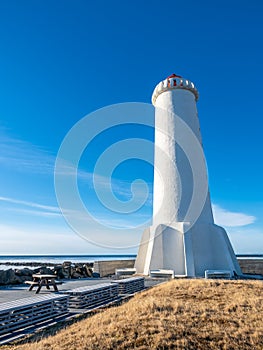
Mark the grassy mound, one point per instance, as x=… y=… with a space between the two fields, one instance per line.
x=181 y=314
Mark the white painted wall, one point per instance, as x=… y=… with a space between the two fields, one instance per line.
x=173 y=181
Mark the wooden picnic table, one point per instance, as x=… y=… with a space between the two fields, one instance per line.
x=40 y=281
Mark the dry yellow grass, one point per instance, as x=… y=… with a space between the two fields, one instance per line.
x=181 y=314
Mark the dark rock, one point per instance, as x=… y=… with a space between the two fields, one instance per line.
x=80 y=270
x=76 y=275
x=23 y=272
x=66 y=269
x=96 y=275
x=58 y=271
x=44 y=270
x=88 y=270
x=9 y=277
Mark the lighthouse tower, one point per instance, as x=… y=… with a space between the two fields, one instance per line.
x=183 y=236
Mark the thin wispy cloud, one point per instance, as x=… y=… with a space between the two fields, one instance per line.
x=24 y=156
x=28 y=208
x=44 y=214
x=29 y=204
x=33 y=208
x=231 y=219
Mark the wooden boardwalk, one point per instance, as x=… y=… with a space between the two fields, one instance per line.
x=26 y=312
x=22 y=311
x=90 y=297
x=130 y=285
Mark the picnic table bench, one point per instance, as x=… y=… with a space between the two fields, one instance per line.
x=40 y=281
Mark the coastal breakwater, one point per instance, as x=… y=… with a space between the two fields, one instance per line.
x=251 y=266
x=107 y=267
x=66 y=270
x=69 y=270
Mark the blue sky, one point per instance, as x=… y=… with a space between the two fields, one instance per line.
x=61 y=60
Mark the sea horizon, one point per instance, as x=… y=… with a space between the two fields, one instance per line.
x=60 y=258
x=6 y=261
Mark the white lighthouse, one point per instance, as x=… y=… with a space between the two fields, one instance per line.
x=183 y=236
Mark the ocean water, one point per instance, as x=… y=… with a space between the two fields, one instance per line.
x=54 y=259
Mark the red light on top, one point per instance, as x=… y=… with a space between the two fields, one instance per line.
x=174 y=76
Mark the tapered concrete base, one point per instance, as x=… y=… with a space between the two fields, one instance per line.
x=188 y=252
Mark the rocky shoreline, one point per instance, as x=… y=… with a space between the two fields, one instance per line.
x=67 y=270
